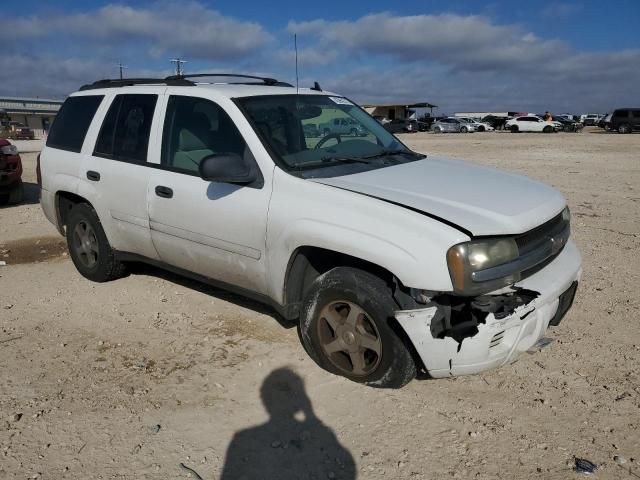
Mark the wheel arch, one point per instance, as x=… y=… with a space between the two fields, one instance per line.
x=64 y=202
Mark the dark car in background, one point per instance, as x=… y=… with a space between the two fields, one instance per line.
x=402 y=125
x=11 y=189
x=495 y=121
x=625 y=120
x=567 y=125
x=20 y=131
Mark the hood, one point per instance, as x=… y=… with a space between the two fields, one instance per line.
x=481 y=200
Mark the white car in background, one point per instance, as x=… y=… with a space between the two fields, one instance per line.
x=531 y=123
x=479 y=126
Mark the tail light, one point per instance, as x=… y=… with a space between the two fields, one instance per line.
x=38 y=174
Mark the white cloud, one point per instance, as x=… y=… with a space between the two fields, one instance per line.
x=188 y=29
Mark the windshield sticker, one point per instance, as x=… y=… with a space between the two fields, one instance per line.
x=341 y=101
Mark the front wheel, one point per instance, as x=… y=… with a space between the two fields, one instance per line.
x=464 y=130
x=88 y=246
x=345 y=327
x=624 y=128
x=514 y=129
x=547 y=129
x=437 y=130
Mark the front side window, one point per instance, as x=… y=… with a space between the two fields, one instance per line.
x=285 y=124
x=125 y=131
x=621 y=113
x=195 y=128
x=72 y=122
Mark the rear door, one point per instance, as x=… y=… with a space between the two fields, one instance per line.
x=217 y=230
x=118 y=170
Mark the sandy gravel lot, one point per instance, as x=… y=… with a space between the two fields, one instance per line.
x=131 y=378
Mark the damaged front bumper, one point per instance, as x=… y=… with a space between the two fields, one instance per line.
x=490 y=340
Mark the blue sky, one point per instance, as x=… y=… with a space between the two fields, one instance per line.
x=463 y=55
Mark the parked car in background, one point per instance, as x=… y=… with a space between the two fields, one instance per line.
x=11 y=189
x=590 y=119
x=605 y=121
x=452 y=125
x=567 y=125
x=625 y=120
x=531 y=123
x=401 y=125
x=20 y=131
x=497 y=122
x=479 y=126
x=343 y=126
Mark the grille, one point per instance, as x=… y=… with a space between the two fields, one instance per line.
x=533 y=238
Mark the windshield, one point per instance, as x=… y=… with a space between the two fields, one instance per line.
x=316 y=132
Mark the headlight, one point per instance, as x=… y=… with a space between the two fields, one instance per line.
x=466 y=258
x=487 y=264
x=9 y=150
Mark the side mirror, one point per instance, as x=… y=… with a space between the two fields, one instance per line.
x=227 y=168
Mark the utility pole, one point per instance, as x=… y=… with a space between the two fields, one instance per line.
x=178 y=61
x=121 y=67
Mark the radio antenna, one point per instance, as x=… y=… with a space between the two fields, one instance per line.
x=295 y=46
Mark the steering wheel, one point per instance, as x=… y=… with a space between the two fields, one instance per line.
x=329 y=136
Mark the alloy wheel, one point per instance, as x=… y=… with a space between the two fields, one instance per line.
x=85 y=244
x=349 y=338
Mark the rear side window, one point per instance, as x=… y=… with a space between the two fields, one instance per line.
x=125 y=131
x=621 y=113
x=72 y=122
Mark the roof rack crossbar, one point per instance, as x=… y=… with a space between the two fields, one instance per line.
x=265 y=80
x=125 y=82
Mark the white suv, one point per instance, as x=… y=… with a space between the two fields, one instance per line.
x=390 y=262
x=531 y=123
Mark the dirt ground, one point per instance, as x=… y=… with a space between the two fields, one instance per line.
x=130 y=379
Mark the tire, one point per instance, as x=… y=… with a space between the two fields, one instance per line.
x=464 y=130
x=354 y=132
x=624 y=128
x=514 y=129
x=437 y=130
x=16 y=193
x=326 y=131
x=88 y=246
x=547 y=129
x=481 y=128
x=345 y=308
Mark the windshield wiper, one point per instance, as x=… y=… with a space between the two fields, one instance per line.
x=330 y=161
x=389 y=153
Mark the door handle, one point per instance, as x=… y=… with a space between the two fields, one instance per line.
x=93 y=176
x=164 y=192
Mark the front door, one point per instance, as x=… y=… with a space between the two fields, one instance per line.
x=214 y=229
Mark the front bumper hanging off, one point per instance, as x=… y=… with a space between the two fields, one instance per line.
x=500 y=340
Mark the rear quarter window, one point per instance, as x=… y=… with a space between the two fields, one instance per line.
x=72 y=122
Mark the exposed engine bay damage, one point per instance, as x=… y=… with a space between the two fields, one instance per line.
x=441 y=329
x=459 y=317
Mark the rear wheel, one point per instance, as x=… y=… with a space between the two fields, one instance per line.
x=88 y=246
x=345 y=328
x=464 y=129
x=514 y=129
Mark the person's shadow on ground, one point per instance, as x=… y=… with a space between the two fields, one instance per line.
x=293 y=444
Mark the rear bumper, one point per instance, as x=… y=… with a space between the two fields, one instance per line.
x=498 y=341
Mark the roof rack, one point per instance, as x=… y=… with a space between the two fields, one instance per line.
x=125 y=82
x=177 y=80
x=265 y=80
